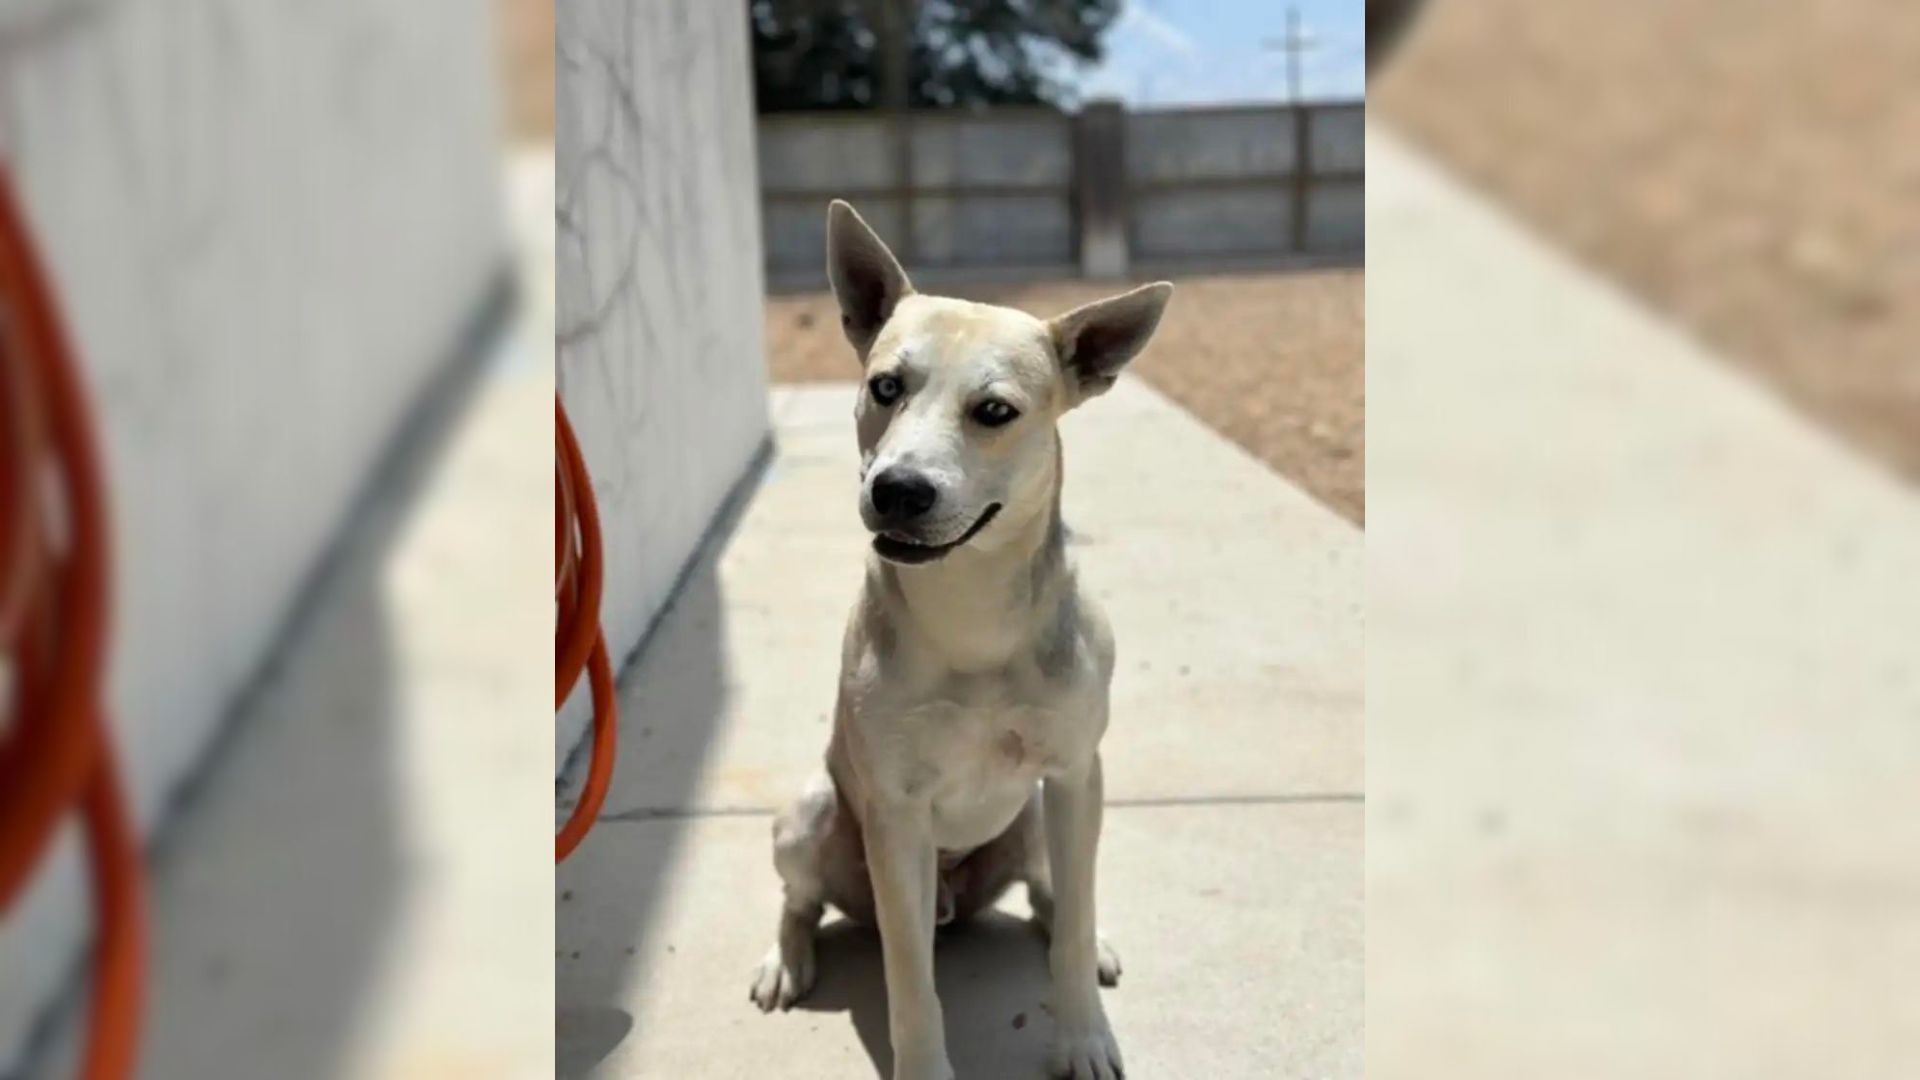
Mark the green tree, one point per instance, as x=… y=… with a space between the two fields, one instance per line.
x=834 y=54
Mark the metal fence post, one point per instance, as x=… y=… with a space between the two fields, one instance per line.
x=1100 y=188
x=1302 y=172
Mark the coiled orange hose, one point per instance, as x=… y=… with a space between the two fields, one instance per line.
x=55 y=756
x=578 y=575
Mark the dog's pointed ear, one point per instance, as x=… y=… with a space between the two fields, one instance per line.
x=866 y=278
x=1096 y=340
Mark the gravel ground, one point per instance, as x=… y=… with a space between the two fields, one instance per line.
x=1273 y=361
x=1753 y=170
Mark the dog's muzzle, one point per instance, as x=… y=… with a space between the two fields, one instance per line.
x=896 y=548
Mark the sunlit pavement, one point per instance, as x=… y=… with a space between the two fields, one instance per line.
x=1230 y=867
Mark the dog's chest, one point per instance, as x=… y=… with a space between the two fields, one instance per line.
x=980 y=745
x=982 y=736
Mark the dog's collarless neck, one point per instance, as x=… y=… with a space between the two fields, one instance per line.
x=1006 y=593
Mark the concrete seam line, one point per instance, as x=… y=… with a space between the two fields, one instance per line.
x=675 y=813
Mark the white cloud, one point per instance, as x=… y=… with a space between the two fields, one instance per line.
x=1135 y=17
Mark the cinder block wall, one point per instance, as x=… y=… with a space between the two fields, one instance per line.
x=658 y=284
x=268 y=225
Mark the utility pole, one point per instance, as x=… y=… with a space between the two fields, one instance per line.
x=1294 y=45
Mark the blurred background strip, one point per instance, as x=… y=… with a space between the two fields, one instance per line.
x=1644 y=567
x=281 y=236
x=58 y=763
x=1751 y=174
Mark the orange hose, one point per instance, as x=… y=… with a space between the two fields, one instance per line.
x=579 y=573
x=55 y=757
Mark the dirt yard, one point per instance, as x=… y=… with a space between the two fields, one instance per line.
x=1754 y=170
x=524 y=36
x=1274 y=361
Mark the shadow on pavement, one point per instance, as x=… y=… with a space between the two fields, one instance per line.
x=673 y=696
x=993 y=982
x=278 y=885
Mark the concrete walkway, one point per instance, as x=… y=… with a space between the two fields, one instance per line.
x=1645 y=713
x=1231 y=867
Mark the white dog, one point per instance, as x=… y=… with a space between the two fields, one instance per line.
x=973 y=682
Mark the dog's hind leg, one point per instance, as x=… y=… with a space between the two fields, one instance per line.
x=978 y=880
x=1038 y=874
x=800 y=837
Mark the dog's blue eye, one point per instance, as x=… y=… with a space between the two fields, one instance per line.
x=885 y=388
x=994 y=413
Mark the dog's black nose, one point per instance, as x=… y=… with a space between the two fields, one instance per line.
x=900 y=496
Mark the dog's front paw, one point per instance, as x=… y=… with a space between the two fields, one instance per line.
x=1089 y=1053
x=1109 y=963
x=782 y=980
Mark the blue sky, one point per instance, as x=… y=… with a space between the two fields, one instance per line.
x=1194 y=52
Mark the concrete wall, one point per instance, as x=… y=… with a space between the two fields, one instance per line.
x=268 y=223
x=988 y=189
x=1037 y=188
x=658 y=283
x=1221 y=182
